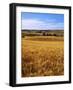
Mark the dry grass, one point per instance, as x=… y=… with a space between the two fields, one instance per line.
x=42 y=56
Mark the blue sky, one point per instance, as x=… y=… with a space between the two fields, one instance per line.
x=42 y=21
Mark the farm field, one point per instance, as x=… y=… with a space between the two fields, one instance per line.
x=42 y=56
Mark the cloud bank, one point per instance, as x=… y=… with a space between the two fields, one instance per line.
x=40 y=25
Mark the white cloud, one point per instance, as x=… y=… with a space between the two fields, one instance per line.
x=39 y=24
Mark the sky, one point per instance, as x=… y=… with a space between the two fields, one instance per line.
x=42 y=21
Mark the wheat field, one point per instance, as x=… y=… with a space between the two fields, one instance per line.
x=42 y=56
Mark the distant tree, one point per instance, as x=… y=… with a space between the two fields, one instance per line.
x=54 y=34
x=23 y=35
x=44 y=34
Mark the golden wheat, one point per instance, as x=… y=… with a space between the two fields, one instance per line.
x=42 y=57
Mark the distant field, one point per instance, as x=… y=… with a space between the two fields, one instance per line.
x=42 y=55
x=44 y=38
x=42 y=33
